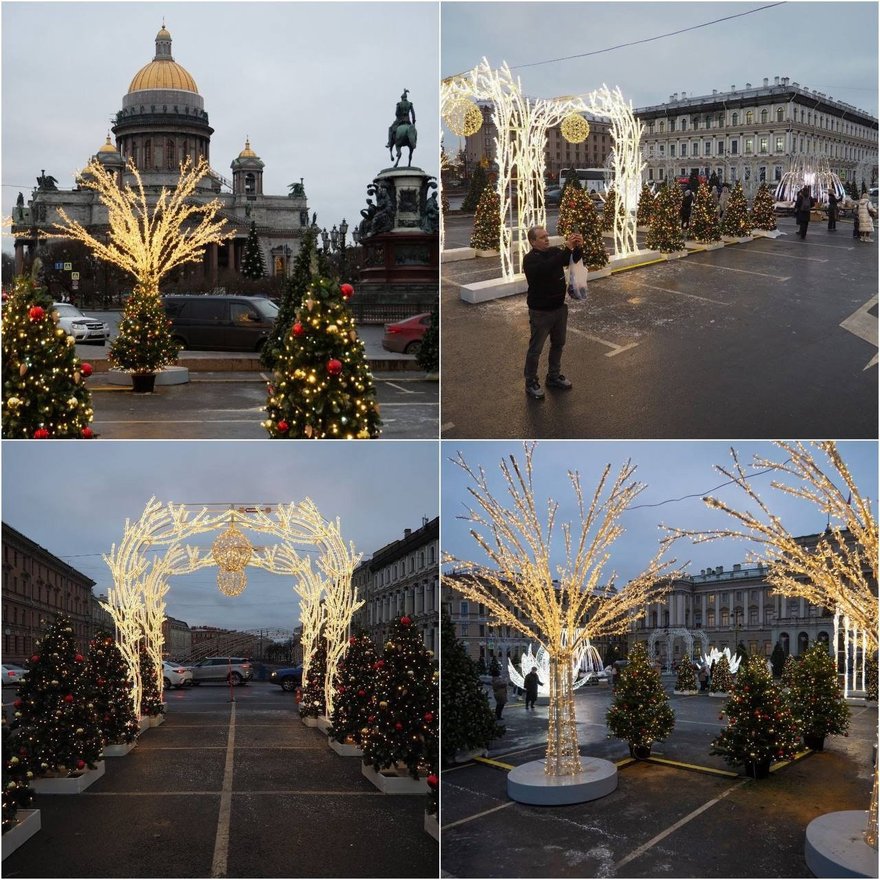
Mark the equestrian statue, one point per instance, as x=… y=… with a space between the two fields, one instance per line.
x=402 y=132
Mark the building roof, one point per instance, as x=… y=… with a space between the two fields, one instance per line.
x=163 y=72
x=107 y=147
x=49 y=558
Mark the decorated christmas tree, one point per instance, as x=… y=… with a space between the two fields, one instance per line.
x=468 y=721
x=788 y=670
x=312 y=703
x=686 y=679
x=252 y=263
x=646 y=207
x=760 y=727
x=43 y=391
x=736 y=222
x=763 y=215
x=722 y=680
x=704 y=226
x=665 y=234
x=871 y=679
x=55 y=720
x=479 y=181
x=356 y=699
x=487 y=221
x=578 y=214
x=640 y=713
x=322 y=386
x=572 y=208
x=428 y=357
x=816 y=701
x=17 y=792
x=144 y=344
x=405 y=719
x=107 y=670
x=151 y=693
x=610 y=208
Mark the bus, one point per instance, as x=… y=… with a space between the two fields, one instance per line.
x=588 y=178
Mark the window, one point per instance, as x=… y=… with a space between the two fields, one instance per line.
x=662 y=149
x=695 y=122
x=750 y=146
x=720 y=150
x=463 y=609
x=765 y=115
x=672 y=125
x=710 y=617
x=779 y=114
x=779 y=144
x=768 y=616
x=750 y=117
x=725 y=617
x=695 y=149
x=707 y=121
x=762 y=145
x=148 y=153
x=710 y=598
x=753 y=614
x=672 y=149
x=170 y=158
x=777 y=172
x=707 y=148
x=650 y=174
x=684 y=123
x=482 y=629
x=734 y=118
x=753 y=648
x=698 y=620
x=662 y=126
x=734 y=147
x=465 y=630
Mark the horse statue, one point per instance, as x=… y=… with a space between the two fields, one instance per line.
x=402 y=132
x=405 y=136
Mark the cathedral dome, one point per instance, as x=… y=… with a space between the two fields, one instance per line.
x=107 y=147
x=163 y=72
x=247 y=152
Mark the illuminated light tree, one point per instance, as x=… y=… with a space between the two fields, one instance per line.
x=817 y=703
x=55 y=720
x=340 y=604
x=312 y=704
x=646 y=207
x=788 y=669
x=487 y=222
x=704 y=225
x=322 y=387
x=736 y=220
x=760 y=728
x=722 y=680
x=310 y=588
x=253 y=264
x=468 y=720
x=148 y=242
x=763 y=215
x=665 y=233
x=151 y=686
x=17 y=792
x=558 y=606
x=405 y=720
x=686 y=678
x=478 y=183
x=44 y=395
x=355 y=692
x=107 y=669
x=640 y=712
x=428 y=357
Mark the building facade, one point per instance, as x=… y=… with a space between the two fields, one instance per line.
x=177 y=637
x=751 y=134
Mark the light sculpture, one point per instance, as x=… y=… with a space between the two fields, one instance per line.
x=733 y=661
x=574 y=128
x=811 y=171
x=462 y=117
x=541 y=660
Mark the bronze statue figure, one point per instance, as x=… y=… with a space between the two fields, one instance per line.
x=402 y=132
x=45 y=181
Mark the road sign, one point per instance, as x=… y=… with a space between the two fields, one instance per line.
x=59 y=266
x=75 y=285
x=68 y=267
x=74 y=276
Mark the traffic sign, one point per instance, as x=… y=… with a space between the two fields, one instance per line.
x=68 y=267
x=59 y=266
x=75 y=285
x=74 y=276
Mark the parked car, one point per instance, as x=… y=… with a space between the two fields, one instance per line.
x=289 y=679
x=553 y=195
x=406 y=336
x=233 y=669
x=176 y=676
x=220 y=322
x=12 y=673
x=85 y=330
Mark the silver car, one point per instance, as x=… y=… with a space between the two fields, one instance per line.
x=236 y=670
x=175 y=675
x=81 y=327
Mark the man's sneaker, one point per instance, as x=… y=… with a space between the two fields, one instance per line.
x=534 y=389
x=558 y=382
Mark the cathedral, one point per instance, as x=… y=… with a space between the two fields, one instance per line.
x=162 y=122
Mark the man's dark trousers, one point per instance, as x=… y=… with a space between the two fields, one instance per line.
x=543 y=324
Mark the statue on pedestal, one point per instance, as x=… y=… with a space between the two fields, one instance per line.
x=402 y=132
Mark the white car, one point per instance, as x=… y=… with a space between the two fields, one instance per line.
x=176 y=676
x=81 y=327
x=12 y=673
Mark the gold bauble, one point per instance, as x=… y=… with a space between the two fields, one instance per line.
x=383 y=705
x=76 y=377
x=332 y=328
x=463 y=117
x=574 y=128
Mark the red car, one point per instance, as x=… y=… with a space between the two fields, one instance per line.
x=406 y=336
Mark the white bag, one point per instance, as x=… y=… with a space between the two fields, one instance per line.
x=577 y=280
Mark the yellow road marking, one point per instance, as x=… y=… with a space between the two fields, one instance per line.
x=697 y=767
x=637 y=265
x=492 y=763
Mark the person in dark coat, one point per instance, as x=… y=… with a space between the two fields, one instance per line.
x=833 y=201
x=499 y=689
x=802 y=206
x=531 y=682
x=687 y=204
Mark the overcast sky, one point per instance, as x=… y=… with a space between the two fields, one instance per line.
x=830 y=47
x=73 y=499
x=671 y=471
x=314 y=85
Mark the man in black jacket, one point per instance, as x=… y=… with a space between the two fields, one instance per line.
x=548 y=314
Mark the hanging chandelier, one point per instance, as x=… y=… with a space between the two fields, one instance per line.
x=231 y=583
x=232 y=551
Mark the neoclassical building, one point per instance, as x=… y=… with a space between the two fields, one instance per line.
x=162 y=122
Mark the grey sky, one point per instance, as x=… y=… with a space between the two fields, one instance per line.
x=830 y=47
x=73 y=499
x=670 y=470
x=314 y=85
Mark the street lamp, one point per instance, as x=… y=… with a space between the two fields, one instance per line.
x=325 y=240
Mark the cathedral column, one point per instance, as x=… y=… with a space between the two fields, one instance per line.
x=19 y=258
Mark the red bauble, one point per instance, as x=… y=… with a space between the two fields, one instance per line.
x=102 y=682
x=334 y=367
x=352 y=640
x=78 y=658
x=379 y=664
x=80 y=764
x=41 y=434
x=405 y=621
x=86 y=370
x=37 y=313
x=68 y=698
x=87 y=433
x=282 y=425
x=346 y=290
x=18 y=704
x=297 y=329
x=432 y=780
x=371 y=719
x=429 y=717
x=341 y=689
x=362 y=693
x=398 y=726
x=35 y=658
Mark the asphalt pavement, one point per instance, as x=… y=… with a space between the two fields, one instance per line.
x=771 y=338
x=290 y=806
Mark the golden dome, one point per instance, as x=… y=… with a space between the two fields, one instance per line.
x=163 y=75
x=107 y=147
x=247 y=152
x=163 y=34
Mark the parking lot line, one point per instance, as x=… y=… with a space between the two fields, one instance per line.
x=700 y=769
x=493 y=763
x=615 y=349
x=477 y=815
x=221 y=841
x=715 y=302
x=788 y=256
x=731 y=269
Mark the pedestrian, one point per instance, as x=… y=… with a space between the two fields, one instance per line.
x=723 y=199
x=711 y=673
x=704 y=678
x=687 y=203
x=531 y=682
x=865 y=211
x=803 y=204
x=548 y=314
x=833 y=201
x=499 y=689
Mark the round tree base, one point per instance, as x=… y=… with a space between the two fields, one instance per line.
x=528 y=784
x=835 y=846
x=168 y=376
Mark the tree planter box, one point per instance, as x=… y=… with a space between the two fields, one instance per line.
x=493 y=288
x=347 y=750
x=143 y=723
x=168 y=376
x=156 y=720
x=487 y=253
x=455 y=255
x=720 y=694
x=323 y=724
x=117 y=750
x=394 y=781
x=68 y=784
x=309 y=721
x=432 y=825
x=468 y=755
x=766 y=233
x=703 y=245
x=27 y=826
x=673 y=255
x=593 y=274
x=684 y=693
x=734 y=239
x=835 y=847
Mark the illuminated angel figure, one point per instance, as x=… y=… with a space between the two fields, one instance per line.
x=542 y=661
x=715 y=655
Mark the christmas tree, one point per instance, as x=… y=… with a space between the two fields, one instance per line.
x=428 y=357
x=817 y=703
x=55 y=719
x=570 y=178
x=578 y=214
x=572 y=210
x=144 y=344
x=312 y=703
x=646 y=207
x=356 y=699
x=468 y=720
x=151 y=693
x=487 y=221
x=609 y=209
x=43 y=392
x=704 y=225
x=640 y=713
x=763 y=215
x=252 y=264
x=108 y=671
x=736 y=221
x=686 y=680
x=665 y=234
x=871 y=679
x=479 y=181
x=405 y=719
x=17 y=792
x=788 y=669
x=777 y=660
x=722 y=680
x=760 y=727
x=322 y=386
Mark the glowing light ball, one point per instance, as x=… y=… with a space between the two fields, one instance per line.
x=575 y=129
x=463 y=117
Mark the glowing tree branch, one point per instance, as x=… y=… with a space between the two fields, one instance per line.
x=340 y=605
x=310 y=589
x=559 y=606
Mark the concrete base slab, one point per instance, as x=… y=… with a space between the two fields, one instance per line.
x=467 y=755
x=734 y=239
x=674 y=255
x=703 y=245
x=454 y=255
x=324 y=723
x=634 y=259
x=68 y=784
x=528 y=784
x=766 y=233
x=593 y=274
x=494 y=288
x=721 y=694
x=168 y=376
x=157 y=720
x=432 y=826
x=489 y=253
x=347 y=750
x=393 y=781
x=309 y=721
x=684 y=693
x=144 y=723
x=25 y=828
x=117 y=750
x=835 y=847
